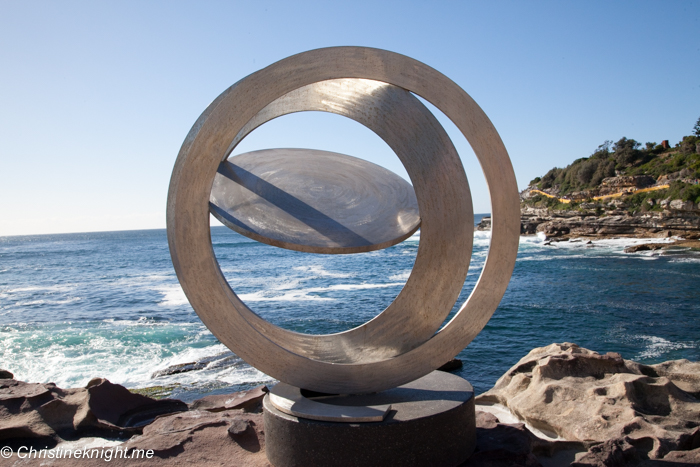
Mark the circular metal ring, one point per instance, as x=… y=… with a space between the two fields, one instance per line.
x=190 y=243
x=444 y=200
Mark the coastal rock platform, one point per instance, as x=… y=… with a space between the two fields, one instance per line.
x=560 y=405
x=563 y=225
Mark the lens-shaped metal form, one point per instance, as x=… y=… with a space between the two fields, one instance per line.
x=400 y=344
x=314 y=201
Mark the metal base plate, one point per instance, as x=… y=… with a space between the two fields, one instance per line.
x=431 y=422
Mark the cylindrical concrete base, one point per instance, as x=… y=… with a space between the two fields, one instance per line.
x=431 y=422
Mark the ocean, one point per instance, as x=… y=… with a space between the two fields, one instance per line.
x=108 y=304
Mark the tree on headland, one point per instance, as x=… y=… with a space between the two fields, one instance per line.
x=626 y=151
x=696 y=128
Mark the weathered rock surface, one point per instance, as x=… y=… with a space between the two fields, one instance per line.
x=223 y=359
x=677 y=220
x=615 y=222
x=605 y=411
x=179 y=368
x=248 y=401
x=46 y=414
x=203 y=438
x=643 y=247
x=677 y=245
x=508 y=445
x=582 y=396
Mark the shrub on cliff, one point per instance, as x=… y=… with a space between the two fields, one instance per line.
x=688 y=145
x=626 y=151
x=684 y=191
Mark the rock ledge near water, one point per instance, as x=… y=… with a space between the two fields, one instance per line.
x=588 y=410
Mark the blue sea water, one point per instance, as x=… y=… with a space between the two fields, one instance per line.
x=77 y=306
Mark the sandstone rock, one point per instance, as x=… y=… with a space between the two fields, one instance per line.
x=627 y=181
x=116 y=405
x=501 y=446
x=680 y=205
x=202 y=438
x=47 y=413
x=238 y=427
x=572 y=224
x=508 y=445
x=612 y=453
x=583 y=396
x=249 y=401
x=4 y=374
x=676 y=458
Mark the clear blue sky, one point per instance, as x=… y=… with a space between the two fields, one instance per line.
x=97 y=97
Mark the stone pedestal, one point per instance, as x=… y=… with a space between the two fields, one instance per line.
x=431 y=422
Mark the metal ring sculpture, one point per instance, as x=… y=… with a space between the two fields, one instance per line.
x=374 y=88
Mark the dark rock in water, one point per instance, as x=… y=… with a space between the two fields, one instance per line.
x=48 y=413
x=222 y=360
x=179 y=368
x=643 y=247
x=484 y=224
x=452 y=365
x=156 y=392
x=4 y=374
x=249 y=401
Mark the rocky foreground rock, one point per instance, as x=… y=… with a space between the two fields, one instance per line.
x=594 y=410
x=616 y=408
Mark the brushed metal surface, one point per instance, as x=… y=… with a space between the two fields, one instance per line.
x=265 y=346
x=289 y=399
x=314 y=201
x=434 y=166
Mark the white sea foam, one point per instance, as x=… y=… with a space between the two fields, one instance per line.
x=657 y=346
x=72 y=363
x=308 y=294
x=353 y=287
x=414 y=238
x=686 y=259
x=319 y=271
x=295 y=296
x=39 y=288
x=48 y=302
x=173 y=295
x=401 y=276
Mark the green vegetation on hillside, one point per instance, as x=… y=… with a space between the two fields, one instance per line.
x=679 y=167
x=624 y=157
